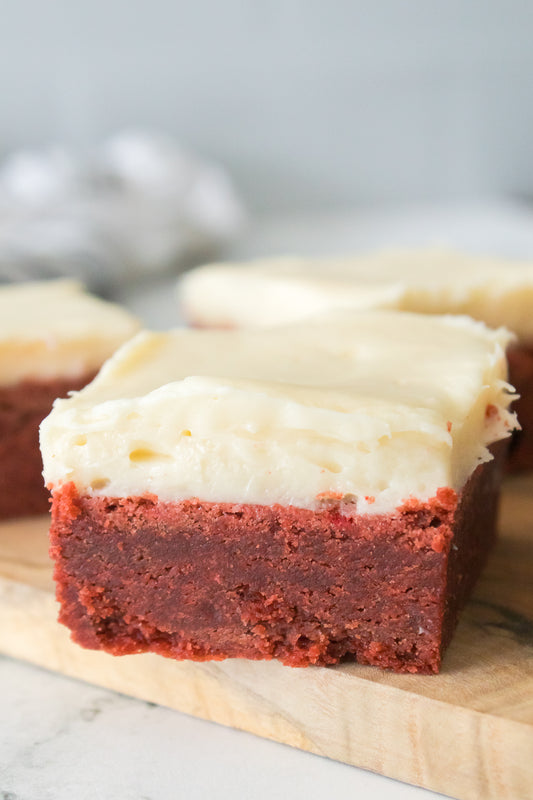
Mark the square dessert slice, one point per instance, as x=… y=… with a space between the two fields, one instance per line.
x=53 y=339
x=281 y=290
x=304 y=493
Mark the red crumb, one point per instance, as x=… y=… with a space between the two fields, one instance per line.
x=330 y=496
x=67 y=506
x=491 y=412
x=446 y=498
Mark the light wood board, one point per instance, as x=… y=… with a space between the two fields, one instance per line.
x=467 y=732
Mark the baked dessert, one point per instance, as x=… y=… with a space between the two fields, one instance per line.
x=282 y=290
x=53 y=339
x=304 y=493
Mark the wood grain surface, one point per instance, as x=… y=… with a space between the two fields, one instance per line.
x=467 y=732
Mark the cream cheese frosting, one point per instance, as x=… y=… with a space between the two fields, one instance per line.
x=281 y=290
x=53 y=329
x=371 y=407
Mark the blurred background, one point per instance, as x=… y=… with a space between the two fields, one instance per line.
x=309 y=104
x=383 y=120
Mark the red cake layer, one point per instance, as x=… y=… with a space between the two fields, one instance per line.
x=520 y=359
x=197 y=580
x=22 y=409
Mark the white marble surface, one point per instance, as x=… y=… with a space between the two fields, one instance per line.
x=64 y=740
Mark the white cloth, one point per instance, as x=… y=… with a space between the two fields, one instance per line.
x=138 y=204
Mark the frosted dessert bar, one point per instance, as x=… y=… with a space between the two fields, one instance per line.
x=53 y=339
x=304 y=493
x=281 y=290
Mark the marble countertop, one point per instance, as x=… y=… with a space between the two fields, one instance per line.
x=61 y=739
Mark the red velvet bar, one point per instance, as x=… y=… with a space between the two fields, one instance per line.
x=22 y=409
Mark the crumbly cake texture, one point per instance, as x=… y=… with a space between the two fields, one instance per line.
x=304 y=494
x=200 y=581
x=22 y=409
x=53 y=339
x=280 y=290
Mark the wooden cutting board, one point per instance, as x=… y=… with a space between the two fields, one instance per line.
x=467 y=732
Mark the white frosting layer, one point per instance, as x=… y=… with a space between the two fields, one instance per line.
x=282 y=290
x=54 y=329
x=374 y=406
